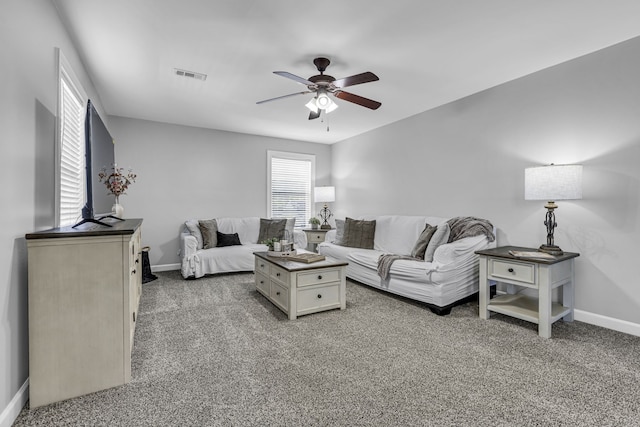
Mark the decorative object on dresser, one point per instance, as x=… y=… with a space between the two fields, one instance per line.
x=117 y=182
x=542 y=274
x=552 y=183
x=84 y=289
x=325 y=195
x=299 y=288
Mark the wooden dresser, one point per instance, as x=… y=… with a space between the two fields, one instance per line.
x=84 y=289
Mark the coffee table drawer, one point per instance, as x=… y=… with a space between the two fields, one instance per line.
x=262 y=283
x=280 y=296
x=318 y=277
x=262 y=266
x=279 y=274
x=318 y=297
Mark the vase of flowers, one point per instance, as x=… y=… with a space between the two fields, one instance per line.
x=117 y=182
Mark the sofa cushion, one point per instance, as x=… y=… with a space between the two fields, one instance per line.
x=339 y=232
x=271 y=228
x=193 y=226
x=359 y=233
x=227 y=239
x=208 y=229
x=247 y=228
x=440 y=237
x=397 y=234
x=421 y=244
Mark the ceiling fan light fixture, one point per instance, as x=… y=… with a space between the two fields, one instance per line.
x=323 y=101
x=332 y=106
x=311 y=105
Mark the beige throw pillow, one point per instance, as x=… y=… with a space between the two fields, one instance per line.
x=422 y=242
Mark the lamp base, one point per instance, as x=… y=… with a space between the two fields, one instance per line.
x=325 y=227
x=551 y=250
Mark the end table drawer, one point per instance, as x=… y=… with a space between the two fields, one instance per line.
x=315 y=237
x=318 y=277
x=262 y=283
x=516 y=271
x=321 y=296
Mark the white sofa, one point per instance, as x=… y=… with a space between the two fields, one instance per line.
x=197 y=262
x=451 y=278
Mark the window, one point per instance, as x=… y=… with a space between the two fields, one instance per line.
x=70 y=147
x=291 y=180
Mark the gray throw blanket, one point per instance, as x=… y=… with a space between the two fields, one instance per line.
x=385 y=261
x=468 y=226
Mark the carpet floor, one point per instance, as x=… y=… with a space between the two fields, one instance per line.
x=214 y=352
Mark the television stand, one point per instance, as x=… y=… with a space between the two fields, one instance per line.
x=97 y=221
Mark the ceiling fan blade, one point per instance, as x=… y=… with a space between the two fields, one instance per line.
x=356 y=79
x=313 y=115
x=295 y=78
x=356 y=99
x=283 y=96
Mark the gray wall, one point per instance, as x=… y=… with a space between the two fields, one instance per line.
x=468 y=158
x=28 y=105
x=186 y=172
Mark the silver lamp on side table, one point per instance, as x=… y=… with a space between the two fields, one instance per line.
x=552 y=183
x=325 y=195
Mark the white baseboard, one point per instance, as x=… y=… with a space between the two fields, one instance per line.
x=11 y=412
x=165 y=267
x=607 y=322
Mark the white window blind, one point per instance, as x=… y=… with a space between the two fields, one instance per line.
x=71 y=148
x=291 y=183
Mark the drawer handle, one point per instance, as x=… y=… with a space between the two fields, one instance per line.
x=278 y=293
x=134 y=271
x=319 y=296
x=262 y=282
x=278 y=274
x=319 y=277
x=510 y=270
x=261 y=265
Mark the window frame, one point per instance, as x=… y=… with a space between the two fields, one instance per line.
x=311 y=158
x=67 y=75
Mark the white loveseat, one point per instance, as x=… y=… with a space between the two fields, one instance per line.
x=449 y=279
x=197 y=262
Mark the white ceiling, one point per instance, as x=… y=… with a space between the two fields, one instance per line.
x=426 y=53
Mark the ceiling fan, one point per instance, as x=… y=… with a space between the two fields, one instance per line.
x=323 y=85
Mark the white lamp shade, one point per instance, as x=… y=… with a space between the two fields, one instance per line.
x=324 y=194
x=554 y=182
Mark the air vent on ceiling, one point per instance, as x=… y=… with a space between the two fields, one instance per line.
x=190 y=74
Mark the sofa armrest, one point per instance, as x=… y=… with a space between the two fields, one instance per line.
x=330 y=235
x=188 y=246
x=299 y=239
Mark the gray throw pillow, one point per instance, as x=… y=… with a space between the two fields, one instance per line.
x=270 y=228
x=359 y=233
x=291 y=223
x=440 y=237
x=422 y=242
x=339 y=231
x=208 y=228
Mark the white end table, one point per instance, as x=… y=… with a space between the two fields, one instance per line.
x=542 y=275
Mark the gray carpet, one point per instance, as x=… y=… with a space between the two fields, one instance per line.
x=214 y=352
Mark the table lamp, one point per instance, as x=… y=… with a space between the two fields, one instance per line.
x=551 y=183
x=325 y=195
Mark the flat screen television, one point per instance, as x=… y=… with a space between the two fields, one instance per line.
x=99 y=153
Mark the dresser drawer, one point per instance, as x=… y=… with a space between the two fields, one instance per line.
x=279 y=274
x=262 y=266
x=314 y=298
x=280 y=296
x=519 y=272
x=262 y=283
x=318 y=277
